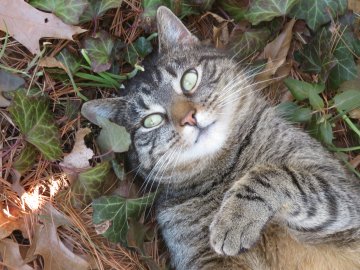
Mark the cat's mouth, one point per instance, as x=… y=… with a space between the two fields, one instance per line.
x=203 y=131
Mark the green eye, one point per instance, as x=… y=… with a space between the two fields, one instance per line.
x=188 y=80
x=153 y=120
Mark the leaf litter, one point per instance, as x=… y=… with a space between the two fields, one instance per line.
x=64 y=182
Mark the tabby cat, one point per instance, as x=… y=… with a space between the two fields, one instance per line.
x=240 y=187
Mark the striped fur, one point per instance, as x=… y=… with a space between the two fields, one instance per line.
x=257 y=193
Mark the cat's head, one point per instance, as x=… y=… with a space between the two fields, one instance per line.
x=181 y=111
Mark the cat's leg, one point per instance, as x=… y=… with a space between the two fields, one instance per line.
x=317 y=201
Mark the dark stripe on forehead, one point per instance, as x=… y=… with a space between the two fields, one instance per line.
x=141 y=102
x=210 y=58
x=157 y=75
x=171 y=71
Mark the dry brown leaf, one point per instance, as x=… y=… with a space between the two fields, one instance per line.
x=276 y=52
x=80 y=154
x=47 y=243
x=27 y=24
x=10 y=219
x=355 y=162
x=12 y=258
x=51 y=62
x=354 y=5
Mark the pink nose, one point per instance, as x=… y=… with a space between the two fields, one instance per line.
x=189 y=119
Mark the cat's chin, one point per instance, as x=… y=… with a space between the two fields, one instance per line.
x=206 y=142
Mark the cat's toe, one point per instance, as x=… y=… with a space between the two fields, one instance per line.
x=232 y=238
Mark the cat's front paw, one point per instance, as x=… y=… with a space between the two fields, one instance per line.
x=234 y=231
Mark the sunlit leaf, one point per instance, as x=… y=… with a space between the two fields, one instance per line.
x=118 y=211
x=93 y=183
x=33 y=117
x=315 y=100
x=266 y=10
x=26 y=158
x=67 y=10
x=99 y=49
x=318 y=12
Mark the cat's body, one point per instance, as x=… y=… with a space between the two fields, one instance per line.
x=240 y=187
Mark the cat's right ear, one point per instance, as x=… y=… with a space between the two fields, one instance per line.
x=171 y=31
x=109 y=108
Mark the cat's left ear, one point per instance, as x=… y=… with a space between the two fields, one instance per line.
x=109 y=108
x=172 y=32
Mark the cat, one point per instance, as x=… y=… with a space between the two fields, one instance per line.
x=240 y=188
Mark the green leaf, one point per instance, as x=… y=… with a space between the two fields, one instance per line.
x=97 y=8
x=140 y=48
x=99 y=49
x=237 y=10
x=26 y=158
x=318 y=12
x=345 y=69
x=347 y=100
x=67 y=10
x=112 y=138
x=293 y=112
x=93 y=183
x=266 y=10
x=315 y=100
x=300 y=89
x=35 y=121
x=249 y=42
x=326 y=132
x=118 y=211
x=70 y=61
x=8 y=82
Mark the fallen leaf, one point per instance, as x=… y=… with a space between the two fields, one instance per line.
x=69 y=10
x=276 y=52
x=27 y=24
x=11 y=219
x=8 y=82
x=355 y=162
x=51 y=62
x=80 y=154
x=118 y=211
x=354 y=5
x=46 y=242
x=31 y=114
x=10 y=253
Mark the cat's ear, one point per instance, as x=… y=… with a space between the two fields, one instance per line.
x=171 y=30
x=109 y=108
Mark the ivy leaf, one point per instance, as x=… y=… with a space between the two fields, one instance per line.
x=68 y=11
x=266 y=10
x=348 y=100
x=140 y=48
x=97 y=8
x=318 y=12
x=345 y=68
x=326 y=132
x=93 y=183
x=236 y=9
x=300 y=89
x=118 y=210
x=69 y=61
x=112 y=138
x=247 y=43
x=32 y=116
x=293 y=113
x=315 y=100
x=26 y=158
x=99 y=49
